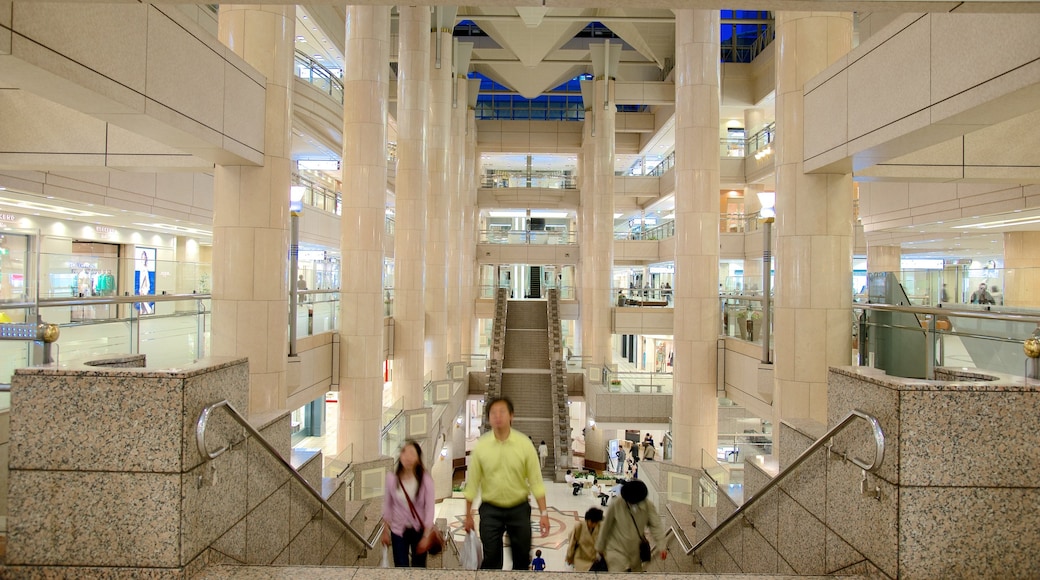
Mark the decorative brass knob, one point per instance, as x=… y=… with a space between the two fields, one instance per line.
x=49 y=332
x=1032 y=347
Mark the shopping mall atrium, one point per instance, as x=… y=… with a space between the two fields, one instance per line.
x=779 y=264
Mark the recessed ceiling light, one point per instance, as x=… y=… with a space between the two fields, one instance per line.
x=305 y=17
x=301 y=39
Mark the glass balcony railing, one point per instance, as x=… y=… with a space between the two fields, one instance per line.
x=319 y=196
x=316 y=312
x=761 y=141
x=533 y=237
x=660 y=232
x=742 y=317
x=524 y=179
x=663 y=166
x=732 y=147
x=914 y=341
x=170 y=330
x=318 y=75
x=640 y=297
x=487 y=291
x=639 y=382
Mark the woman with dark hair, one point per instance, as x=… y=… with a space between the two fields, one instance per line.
x=408 y=508
x=582 y=551
x=623 y=529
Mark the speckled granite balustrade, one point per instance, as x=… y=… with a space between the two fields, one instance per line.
x=105 y=474
x=959 y=495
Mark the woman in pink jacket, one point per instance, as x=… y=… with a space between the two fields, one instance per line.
x=408 y=508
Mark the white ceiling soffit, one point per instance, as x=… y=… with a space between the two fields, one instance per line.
x=530 y=82
x=530 y=45
x=655 y=41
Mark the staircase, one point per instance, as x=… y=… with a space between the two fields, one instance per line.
x=526 y=377
x=220 y=488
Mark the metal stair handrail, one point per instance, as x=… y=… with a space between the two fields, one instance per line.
x=200 y=439
x=879 y=456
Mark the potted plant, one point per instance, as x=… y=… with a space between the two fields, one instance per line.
x=742 y=323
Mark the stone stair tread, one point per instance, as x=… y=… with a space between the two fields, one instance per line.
x=770 y=464
x=300 y=456
x=329 y=485
x=337 y=572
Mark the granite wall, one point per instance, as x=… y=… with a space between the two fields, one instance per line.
x=958 y=493
x=105 y=474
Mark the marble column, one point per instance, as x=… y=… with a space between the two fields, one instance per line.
x=1021 y=269
x=753 y=249
x=188 y=271
x=438 y=139
x=695 y=403
x=468 y=268
x=597 y=201
x=366 y=85
x=456 y=220
x=585 y=275
x=754 y=121
x=813 y=227
x=251 y=214
x=883 y=259
x=410 y=231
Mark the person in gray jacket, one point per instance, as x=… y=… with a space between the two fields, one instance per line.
x=624 y=526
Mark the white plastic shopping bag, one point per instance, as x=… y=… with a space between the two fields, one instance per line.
x=472 y=553
x=386 y=562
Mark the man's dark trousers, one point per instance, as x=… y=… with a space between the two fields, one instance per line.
x=516 y=521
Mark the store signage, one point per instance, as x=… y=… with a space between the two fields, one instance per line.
x=921 y=264
x=7 y=217
x=318 y=165
x=312 y=255
x=105 y=232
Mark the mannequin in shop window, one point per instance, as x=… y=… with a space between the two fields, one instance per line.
x=982 y=296
x=83 y=283
x=144 y=283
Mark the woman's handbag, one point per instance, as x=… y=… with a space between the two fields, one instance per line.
x=645 y=553
x=436 y=539
x=600 y=565
x=644 y=550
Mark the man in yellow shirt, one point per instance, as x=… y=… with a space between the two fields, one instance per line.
x=504 y=470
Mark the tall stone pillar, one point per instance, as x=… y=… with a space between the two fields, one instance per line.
x=468 y=208
x=754 y=121
x=366 y=85
x=586 y=187
x=1021 y=269
x=188 y=272
x=438 y=140
x=695 y=403
x=883 y=258
x=597 y=201
x=456 y=220
x=251 y=214
x=410 y=231
x=813 y=227
x=753 y=251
